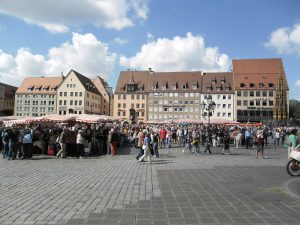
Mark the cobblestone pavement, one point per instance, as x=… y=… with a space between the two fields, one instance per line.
x=176 y=188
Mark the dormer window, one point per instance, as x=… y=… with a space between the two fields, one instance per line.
x=227 y=88
x=213 y=81
x=242 y=85
x=223 y=81
x=261 y=85
x=271 y=85
x=174 y=86
x=154 y=86
x=194 y=86
x=218 y=88
x=184 y=87
x=164 y=86
x=130 y=87
x=208 y=88
x=252 y=85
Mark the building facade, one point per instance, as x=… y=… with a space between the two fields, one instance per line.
x=37 y=96
x=255 y=86
x=220 y=87
x=174 y=95
x=7 y=99
x=77 y=94
x=131 y=96
x=255 y=90
x=106 y=95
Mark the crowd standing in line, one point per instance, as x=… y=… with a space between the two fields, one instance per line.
x=98 y=139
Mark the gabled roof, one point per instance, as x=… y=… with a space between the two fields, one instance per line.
x=9 y=90
x=257 y=71
x=221 y=80
x=140 y=79
x=86 y=82
x=39 y=82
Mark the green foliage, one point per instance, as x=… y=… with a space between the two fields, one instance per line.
x=294 y=111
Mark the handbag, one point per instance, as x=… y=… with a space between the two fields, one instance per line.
x=144 y=147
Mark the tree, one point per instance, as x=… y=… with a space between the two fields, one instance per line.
x=294 y=108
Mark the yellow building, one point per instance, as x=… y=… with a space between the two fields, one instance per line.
x=77 y=94
x=104 y=90
x=37 y=96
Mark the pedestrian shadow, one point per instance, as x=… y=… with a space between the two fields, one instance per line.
x=159 y=161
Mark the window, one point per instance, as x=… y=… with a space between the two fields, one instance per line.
x=264 y=103
x=60 y=94
x=194 y=86
x=165 y=109
x=184 y=87
x=257 y=102
x=239 y=102
x=229 y=96
x=224 y=96
x=224 y=106
x=218 y=88
x=218 y=114
x=71 y=102
x=130 y=87
x=264 y=94
x=239 y=93
x=229 y=106
x=252 y=85
x=71 y=94
x=143 y=96
x=242 y=85
x=219 y=96
x=60 y=102
x=124 y=96
x=252 y=93
x=80 y=94
x=208 y=88
x=119 y=97
x=65 y=94
x=258 y=93
x=137 y=105
x=119 y=105
x=251 y=103
x=229 y=114
x=124 y=105
x=132 y=96
x=271 y=103
x=174 y=87
x=261 y=85
x=271 y=85
x=245 y=103
x=271 y=93
x=143 y=106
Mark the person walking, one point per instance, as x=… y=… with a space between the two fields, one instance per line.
x=27 y=145
x=63 y=144
x=114 y=142
x=277 y=137
x=248 y=138
x=226 y=141
x=207 y=145
x=238 y=139
x=196 y=143
x=80 y=145
x=146 y=148
x=155 y=144
x=260 y=144
x=162 y=136
x=141 y=136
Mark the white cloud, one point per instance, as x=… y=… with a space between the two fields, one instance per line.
x=298 y=83
x=120 y=41
x=285 y=40
x=115 y=14
x=84 y=54
x=150 y=37
x=178 y=54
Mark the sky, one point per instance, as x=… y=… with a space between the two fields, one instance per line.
x=104 y=37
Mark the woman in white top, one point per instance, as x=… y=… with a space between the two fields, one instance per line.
x=80 y=144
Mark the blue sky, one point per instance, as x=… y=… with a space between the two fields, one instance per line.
x=102 y=37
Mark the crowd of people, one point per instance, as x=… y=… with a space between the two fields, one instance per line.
x=98 y=139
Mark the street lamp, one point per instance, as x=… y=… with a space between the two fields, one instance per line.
x=209 y=106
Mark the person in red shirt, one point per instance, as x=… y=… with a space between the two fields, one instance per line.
x=162 y=136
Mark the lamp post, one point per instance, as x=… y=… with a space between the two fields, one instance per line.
x=209 y=106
